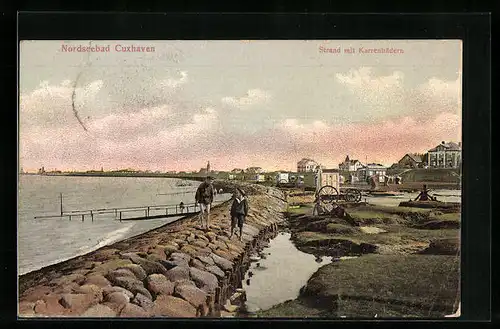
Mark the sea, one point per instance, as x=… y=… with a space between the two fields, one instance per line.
x=46 y=241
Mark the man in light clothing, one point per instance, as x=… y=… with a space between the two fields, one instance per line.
x=205 y=196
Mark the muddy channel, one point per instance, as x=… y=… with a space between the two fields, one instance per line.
x=375 y=261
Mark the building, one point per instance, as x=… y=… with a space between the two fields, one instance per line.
x=350 y=165
x=237 y=171
x=258 y=178
x=445 y=155
x=370 y=170
x=306 y=165
x=328 y=177
x=411 y=160
x=255 y=170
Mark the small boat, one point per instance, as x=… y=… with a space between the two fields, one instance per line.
x=430 y=204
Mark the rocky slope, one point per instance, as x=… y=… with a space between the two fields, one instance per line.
x=176 y=270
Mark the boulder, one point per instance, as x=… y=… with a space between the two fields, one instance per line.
x=35 y=293
x=171 y=306
x=200 y=243
x=131 y=284
x=122 y=272
x=220 y=245
x=206 y=260
x=105 y=254
x=110 y=290
x=137 y=270
x=178 y=273
x=98 y=280
x=202 y=237
x=49 y=305
x=99 y=311
x=26 y=308
x=117 y=308
x=223 y=263
x=159 y=284
x=191 y=250
x=77 y=303
x=192 y=294
x=216 y=271
x=185 y=282
x=68 y=279
x=91 y=289
x=154 y=257
x=169 y=249
x=170 y=264
x=212 y=246
x=224 y=254
x=117 y=298
x=203 y=279
x=133 y=311
x=149 y=266
x=111 y=265
x=143 y=301
x=197 y=263
x=180 y=255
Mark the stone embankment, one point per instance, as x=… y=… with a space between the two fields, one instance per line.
x=177 y=270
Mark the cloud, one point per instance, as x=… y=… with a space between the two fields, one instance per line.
x=252 y=97
x=388 y=96
x=174 y=83
x=51 y=105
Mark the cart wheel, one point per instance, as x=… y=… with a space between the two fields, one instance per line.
x=328 y=195
x=353 y=195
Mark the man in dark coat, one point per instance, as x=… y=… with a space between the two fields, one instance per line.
x=239 y=210
x=205 y=196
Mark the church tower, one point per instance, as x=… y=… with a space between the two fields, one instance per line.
x=208 y=167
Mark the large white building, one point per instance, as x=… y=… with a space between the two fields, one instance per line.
x=445 y=155
x=371 y=169
x=307 y=165
x=350 y=165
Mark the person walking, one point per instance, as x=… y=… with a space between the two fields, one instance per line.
x=205 y=196
x=239 y=210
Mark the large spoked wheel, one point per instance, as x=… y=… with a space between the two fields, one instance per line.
x=352 y=195
x=327 y=197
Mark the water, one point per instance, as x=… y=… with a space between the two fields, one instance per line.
x=280 y=275
x=442 y=195
x=43 y=242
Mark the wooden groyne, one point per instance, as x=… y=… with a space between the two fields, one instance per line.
x=176 y=270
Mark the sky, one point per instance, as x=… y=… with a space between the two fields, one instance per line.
x=237 y=104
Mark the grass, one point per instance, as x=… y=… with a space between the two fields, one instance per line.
x=303 y=209
x=386 y=285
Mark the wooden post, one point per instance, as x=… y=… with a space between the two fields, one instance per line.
x=148 y=212
x=166 y=211
x=60 y=194
x=91 y=215
x=218 y=295
x=69 y=217
x=120 y=216
x=116 y=213
x=83 y=217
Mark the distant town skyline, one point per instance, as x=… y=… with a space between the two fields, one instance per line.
x=235 y=104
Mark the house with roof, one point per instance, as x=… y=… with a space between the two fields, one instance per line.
x=369 y=170
x=254 y=170
x=307 y=165
x=445 y=155
x=411 y=160
x=350 y=165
